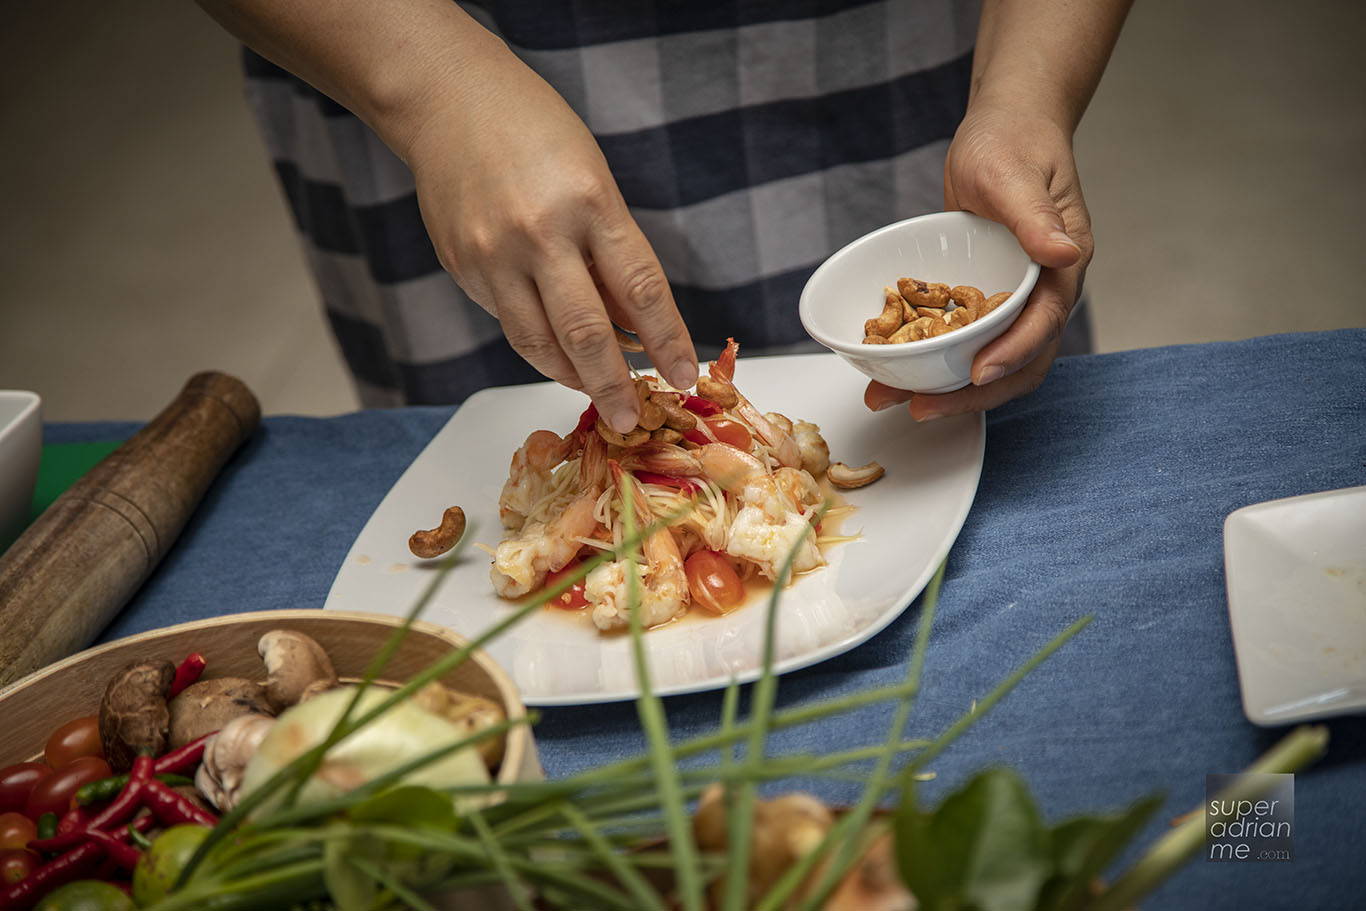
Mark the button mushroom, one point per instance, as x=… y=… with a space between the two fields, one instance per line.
x=294 y=663
x=134 y=717
x=206 y=706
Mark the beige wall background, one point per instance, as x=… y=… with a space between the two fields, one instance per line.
x=143 y=238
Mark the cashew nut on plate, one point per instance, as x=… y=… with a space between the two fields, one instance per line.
x=434 y=543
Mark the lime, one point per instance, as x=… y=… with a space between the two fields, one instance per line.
x=86 y=895
x=160 y=865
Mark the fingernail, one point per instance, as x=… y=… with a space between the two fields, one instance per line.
x=883 y=406
x=683 y=374
x=929 y=416
x=623 y=421
x=989 y=375
x=1058 y=237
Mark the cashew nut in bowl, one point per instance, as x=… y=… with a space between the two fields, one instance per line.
x=434 y=543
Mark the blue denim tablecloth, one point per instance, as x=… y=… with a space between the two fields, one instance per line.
x=1104 y=492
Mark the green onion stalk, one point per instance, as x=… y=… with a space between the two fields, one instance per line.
x=615 y=836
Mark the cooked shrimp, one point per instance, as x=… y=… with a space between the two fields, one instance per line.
x=663 y=590
x=815 y=451
x=783 y=446
x=529 y=475
x=662 y=458
x=521 y=563
x=774 y=515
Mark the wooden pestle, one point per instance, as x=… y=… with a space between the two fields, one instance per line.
x=78 y=564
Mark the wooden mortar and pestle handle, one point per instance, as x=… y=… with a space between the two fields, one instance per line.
x=79 y=563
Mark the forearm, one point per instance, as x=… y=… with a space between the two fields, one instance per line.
x=386 y=62
x=1045 y=56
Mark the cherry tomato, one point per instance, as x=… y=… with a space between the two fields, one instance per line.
x=713 y=581
x=78 y=737
x=15 y=864
x=17 y=781
x=53 y=794
x=16 y=830
x=572 y=598
x=727 y=430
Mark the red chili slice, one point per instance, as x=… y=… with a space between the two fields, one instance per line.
x=698 y=405
x=588 y=418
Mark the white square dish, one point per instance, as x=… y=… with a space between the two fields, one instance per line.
x=1296 y=577
x=557 y=659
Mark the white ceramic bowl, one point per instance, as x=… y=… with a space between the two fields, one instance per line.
x=21 y=448
x=956 y=248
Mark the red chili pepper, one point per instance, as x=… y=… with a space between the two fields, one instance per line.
x=587 y=419
x=76 y=864
x=73 y=820
x=188 y=672
x=650 y=477
x=698 y=405
x=126 y=856
x=174 y=808
x=181 y=760
x=119 y=810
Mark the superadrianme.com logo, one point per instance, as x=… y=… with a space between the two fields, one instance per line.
x=1258 y=829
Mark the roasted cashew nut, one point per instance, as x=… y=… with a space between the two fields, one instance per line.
x=434 y=543
x=846 y=478
x=626 y=440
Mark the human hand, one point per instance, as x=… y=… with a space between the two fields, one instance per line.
x=526 y=216
x=1015 y=168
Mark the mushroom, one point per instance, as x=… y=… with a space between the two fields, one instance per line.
x=468 y=712
x=225 y=759
x=134 y=718
x=204 y=707
x=293 y=662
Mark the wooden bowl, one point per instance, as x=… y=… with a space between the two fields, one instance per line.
x=32 y=707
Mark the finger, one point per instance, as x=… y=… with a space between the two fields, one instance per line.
x=1025 y=206
x=518 y=307
x=637 y=287
x=982 y=398
x=1040 y=324
x=879 y=396
x=579 y=319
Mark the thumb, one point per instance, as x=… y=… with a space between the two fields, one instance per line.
x=1027 y=209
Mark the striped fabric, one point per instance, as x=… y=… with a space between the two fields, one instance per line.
x=750 y=140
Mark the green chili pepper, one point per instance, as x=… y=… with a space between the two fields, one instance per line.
x=109 y=788
x=47 y=825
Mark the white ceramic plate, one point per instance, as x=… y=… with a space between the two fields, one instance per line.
x=908 y=520
x=1296 y=574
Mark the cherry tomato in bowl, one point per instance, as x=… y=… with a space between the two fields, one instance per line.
x=713 y=581
x=17 y=782
x=53 y=794
x=16 y=864
x=16 y=831
x=78 y=737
